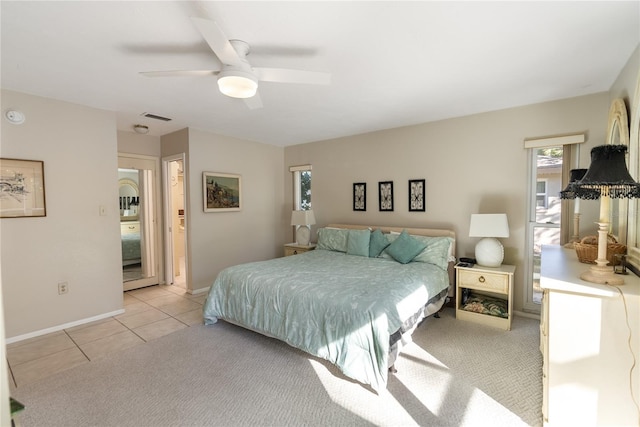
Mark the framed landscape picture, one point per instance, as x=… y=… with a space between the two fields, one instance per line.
x=360 y=196
x=22 y=188
x=221 y=192
x=385 y=196
x=416 y=195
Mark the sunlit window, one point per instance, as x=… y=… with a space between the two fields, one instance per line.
x=301 y=187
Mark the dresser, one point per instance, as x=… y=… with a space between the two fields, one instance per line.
x=589 y=337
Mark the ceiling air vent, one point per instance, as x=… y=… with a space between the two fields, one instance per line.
x=155 y=116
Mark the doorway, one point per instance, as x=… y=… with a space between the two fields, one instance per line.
x=138 y=202
x=175 y=221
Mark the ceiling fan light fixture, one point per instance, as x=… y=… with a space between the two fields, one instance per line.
x=238 y=84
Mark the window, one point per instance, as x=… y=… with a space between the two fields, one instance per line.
x=550 y=160
x=541 y=194
x=301 y=187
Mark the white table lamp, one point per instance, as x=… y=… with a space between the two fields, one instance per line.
x=489 y=250
x=303 y=219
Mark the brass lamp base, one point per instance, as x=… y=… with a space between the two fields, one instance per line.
x=603 y=275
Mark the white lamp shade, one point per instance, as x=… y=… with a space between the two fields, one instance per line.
x=489 y=225
x=303 y=218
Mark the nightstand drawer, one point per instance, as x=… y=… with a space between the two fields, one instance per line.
x=295 y=249
x=484 y=280
x=129 y=227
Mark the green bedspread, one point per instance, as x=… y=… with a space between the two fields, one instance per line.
x=338 y=307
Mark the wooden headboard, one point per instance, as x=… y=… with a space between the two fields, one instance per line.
x=431 y=232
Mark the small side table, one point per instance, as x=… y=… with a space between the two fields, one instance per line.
x=496 y=281
x=295 y=249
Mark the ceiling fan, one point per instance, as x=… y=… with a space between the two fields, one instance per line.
x=237 y=78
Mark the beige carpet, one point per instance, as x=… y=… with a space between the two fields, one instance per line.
x=454 y=374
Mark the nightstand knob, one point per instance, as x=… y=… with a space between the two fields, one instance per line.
x=481 y=279
x=295 y=252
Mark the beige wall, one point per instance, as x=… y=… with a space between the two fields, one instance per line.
x=73 y=243
x=218 y=240
x=474 y=164
x=625 y=85
x=135 y=143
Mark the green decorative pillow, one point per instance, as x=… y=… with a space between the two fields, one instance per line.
x=436 y=251
x=377 y=243
x=405 y=248
x=332 y=239
x=358 y=242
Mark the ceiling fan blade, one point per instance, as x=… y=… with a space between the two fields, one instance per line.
x=285 y=75
x=179 y=73
x=217 y=41
x=254 y=102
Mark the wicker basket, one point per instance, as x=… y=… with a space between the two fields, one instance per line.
x=587 y=250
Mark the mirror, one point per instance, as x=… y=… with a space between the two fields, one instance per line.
x=633 y=240
x=618 y=134
x=129 y=200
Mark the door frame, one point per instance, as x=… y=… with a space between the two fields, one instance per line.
x=167 y=226
x=135 y=161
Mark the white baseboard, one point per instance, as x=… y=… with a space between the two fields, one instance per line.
x=200 y=291
x=64 y=326
x=525 y=314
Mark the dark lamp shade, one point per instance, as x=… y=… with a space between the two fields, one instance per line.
x=575 y=175
x=607 y=175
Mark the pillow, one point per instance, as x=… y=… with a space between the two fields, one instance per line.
x=332 y=239
x=436 y=251
x=377 y=243
x=405 y=248
x=358 y=242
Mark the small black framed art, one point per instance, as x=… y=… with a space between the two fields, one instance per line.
x=416 y=195
x=360 y=196
x=385 y=196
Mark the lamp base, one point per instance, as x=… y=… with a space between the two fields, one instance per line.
x=303 y=235
x=603 y=275
x=489 y=252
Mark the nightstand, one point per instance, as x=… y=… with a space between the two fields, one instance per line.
x=494 y=282
x=295 y=249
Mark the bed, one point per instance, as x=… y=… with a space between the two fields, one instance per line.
x=355 y=300
x=130 y=248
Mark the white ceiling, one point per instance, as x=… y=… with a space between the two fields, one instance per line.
x=392 y=63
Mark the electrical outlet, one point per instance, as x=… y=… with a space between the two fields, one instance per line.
x=63 y=288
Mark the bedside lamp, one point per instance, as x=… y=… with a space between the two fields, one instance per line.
x=303 y=219
x=607 y=177
x=489 y=250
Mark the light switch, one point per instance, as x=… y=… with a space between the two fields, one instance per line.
x=103 y=210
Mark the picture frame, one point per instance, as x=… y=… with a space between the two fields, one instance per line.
x=221 y=192
x=22 y=191
x=385 y=196
x=416 y=195
x=360 y=196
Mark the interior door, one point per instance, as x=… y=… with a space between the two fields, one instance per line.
x=139 y=220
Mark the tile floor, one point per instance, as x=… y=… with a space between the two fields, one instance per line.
x=150 y=313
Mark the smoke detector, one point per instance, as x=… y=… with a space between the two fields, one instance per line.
x=14 y=117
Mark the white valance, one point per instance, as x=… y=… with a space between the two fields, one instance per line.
x=553 y=141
